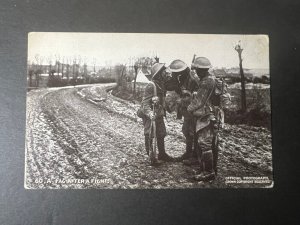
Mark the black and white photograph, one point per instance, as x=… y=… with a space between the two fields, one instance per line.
x=148 y=111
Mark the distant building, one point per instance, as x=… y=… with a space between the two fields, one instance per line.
x=143 y=76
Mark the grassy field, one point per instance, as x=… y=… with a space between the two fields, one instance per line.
x=258 y=108
x=255 y=98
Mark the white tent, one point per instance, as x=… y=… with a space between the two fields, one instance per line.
x=141 y=77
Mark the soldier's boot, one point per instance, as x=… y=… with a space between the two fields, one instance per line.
x=188 y=149
x=208 y=172
x=147 y=144
x=216 y=150
x=149 y=148
x=162 y=155
x=190 y=157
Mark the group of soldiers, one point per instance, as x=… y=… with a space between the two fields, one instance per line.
x=195 y=86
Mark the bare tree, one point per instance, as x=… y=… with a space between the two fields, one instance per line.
x=94 y=64
x=239 y=50
x=30 y=70
x=62 y=66
x=74 y=60
x=79 y=60
x=120 y=73
x=85 y=72
x=57 y=63
x=39 y=61
x=68 y=61
x=49 y=60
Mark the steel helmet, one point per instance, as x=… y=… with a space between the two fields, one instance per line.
x=156 y=68
x=202 y=63
x=177 y=66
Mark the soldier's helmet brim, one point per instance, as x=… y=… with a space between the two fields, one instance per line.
x=177 y=66
x=178 y=70
x=158 y=69
x=201 y=63
x=201 y=67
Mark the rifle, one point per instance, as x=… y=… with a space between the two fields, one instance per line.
x=193 y=60
x=153 y=141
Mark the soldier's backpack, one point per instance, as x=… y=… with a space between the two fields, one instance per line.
x=221 y=96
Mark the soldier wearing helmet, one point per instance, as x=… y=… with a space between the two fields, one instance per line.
x=187 y=84
x=149 y=99
x=202 y=108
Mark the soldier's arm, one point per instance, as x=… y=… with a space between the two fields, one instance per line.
x=199 y=100
x=202 y=95
x=147 y=99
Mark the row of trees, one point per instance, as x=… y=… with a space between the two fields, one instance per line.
x=128 y=73
x=76 y=67
x=72 y=69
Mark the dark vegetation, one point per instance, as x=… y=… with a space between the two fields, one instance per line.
x=64 y=71
x=258 y=108
x=256 y=80
x=56 y=81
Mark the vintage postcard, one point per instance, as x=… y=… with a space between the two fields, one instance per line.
x=148 y=110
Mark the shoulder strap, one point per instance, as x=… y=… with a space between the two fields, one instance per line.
x=213 y=88
x=194 y=78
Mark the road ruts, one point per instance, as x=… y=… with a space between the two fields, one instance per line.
x=102 y=145
x=69 y=136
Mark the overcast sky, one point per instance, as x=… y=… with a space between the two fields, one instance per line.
x=119 y=47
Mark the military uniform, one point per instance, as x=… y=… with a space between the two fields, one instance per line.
x=187 y=84
x=202 y=108
x=190 y=84
x=148 y=104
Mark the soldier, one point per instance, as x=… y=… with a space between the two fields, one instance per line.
x=149 y=99
x=203 y=109
x=187 y=85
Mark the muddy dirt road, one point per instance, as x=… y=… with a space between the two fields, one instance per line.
x=83 y=137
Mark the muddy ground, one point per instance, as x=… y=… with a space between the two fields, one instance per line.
x=84 y=137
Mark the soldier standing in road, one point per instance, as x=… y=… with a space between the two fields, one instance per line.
x=187 y=85
x=149 y=99
x=203 y=109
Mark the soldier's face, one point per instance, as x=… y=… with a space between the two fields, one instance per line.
x=201 y=72
x=162 y=76
x=166 y=77
x=170 y=82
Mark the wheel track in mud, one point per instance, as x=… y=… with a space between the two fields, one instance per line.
x=33 y=146
x=67 y=139
x=40 y=150
x=133 y=115
x=31 y=159
x=133 y=157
